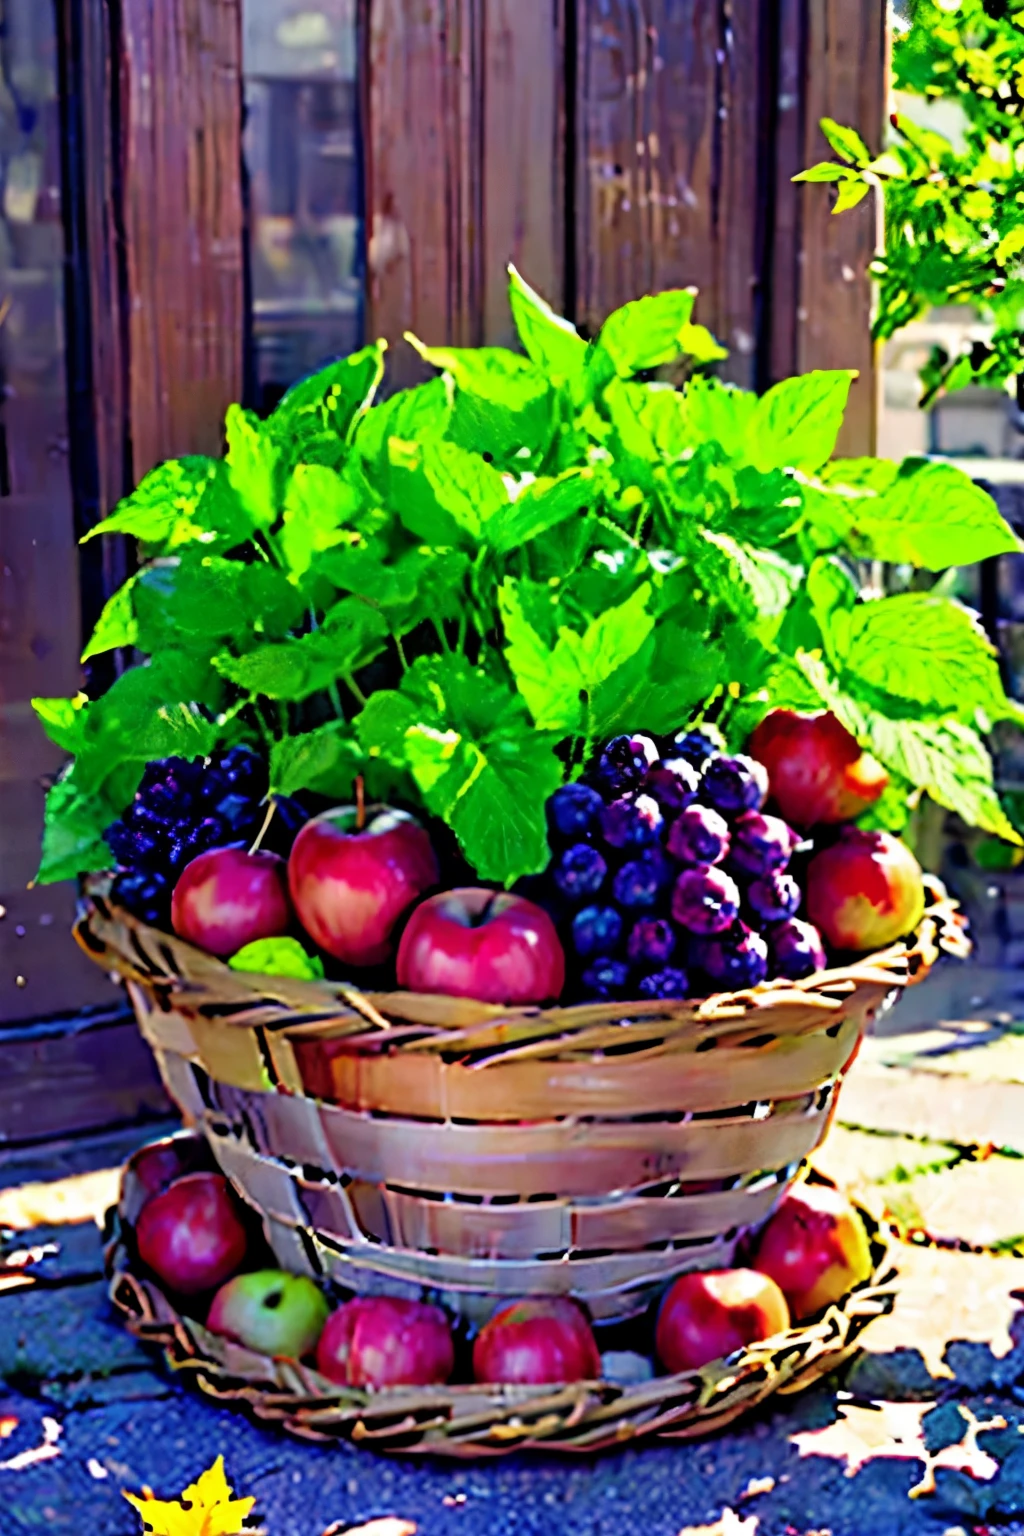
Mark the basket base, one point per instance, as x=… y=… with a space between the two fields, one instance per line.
x=469 y=1421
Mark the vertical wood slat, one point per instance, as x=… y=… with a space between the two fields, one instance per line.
x=181 y=117
x=465 y=157
x=667 y=109
x=822 y=308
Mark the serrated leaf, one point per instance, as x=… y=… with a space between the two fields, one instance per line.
x=718 y=413
x=945 y=758
x=928 y=651
x=75 y=820
x=768 y=579
x=443 y=494
x=325 y=761
x=196 y=602
x=850 y=194
x=351 y=635
x=933 y=517
x=539 y=507
x=846 y=142
x=161 y=709
x=278 y=957
x=335 y=397
x=796 y=423
x=252 y=460
x=647 y=332
x=185 y=501
x=559 y=683
x=116 y=625
x=832 y=596
x=551 y=342
x=319 y=508
x=502 y=401
x=63 y=720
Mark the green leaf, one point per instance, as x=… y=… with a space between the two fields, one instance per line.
x=319 y=508
x=718 y=413
x=325 y=761
x=443 y=494
x=492 y=795
x=351 y=636
x=540 y=506
x=196 y=602
x=647 y=332
x=417 y=415
x=863 y=474
x=846 y=142
x=833 y=596
x=1011 y=244
x=185 y=501
x=825 y=170
x=551 y=342
x=336 y=397
x=558 y=685
x=116 y=625
x=73 y=827
x=63 y=720
x=161 y=709
x=933 y=517
x=796 y=423
x=766 y=578
x=696 y=342
x=928 y=651
x=850 y=194
x=252 y=460
x=502 y=401
x=946 y=758
x=278 y=957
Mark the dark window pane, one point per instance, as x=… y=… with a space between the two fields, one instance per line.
x=302 y=156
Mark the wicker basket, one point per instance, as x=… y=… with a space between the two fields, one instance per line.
x=465 y=1421
x=443 y=1148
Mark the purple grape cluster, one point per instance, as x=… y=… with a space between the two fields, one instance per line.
x=667 y=877
x=183 y=808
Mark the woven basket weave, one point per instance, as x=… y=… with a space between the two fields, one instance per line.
x=465 y=1421
x=448 y=1149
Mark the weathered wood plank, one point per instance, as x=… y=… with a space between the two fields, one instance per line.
x=181 y=114
x=839 y=50
x=667 y=108
x=465 y=165
x=524 y=154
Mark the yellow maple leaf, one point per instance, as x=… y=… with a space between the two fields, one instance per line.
x=206 y=1508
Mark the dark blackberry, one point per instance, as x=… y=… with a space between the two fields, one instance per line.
x=623 y=763
x=734 y=783
x=669 y=982
x=596 y=931
x=695 y=747
x=651 y=942
x=640 y=882
x=631 y=822
x=605 y=979
x=705 y=901
x=580 y=872
x=146 y=894
x=573 y=810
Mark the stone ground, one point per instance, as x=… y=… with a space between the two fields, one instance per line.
x=922 y=1435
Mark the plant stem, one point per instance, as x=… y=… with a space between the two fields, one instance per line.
x=268 y=818
x=360 y=803
x=401 y=652
x=439 y=628
x=354 y=689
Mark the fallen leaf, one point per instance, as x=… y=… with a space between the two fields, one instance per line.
x=81 y=1197
x=8 y=1424
x=206 y=1508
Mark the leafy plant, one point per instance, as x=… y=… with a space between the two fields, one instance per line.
x=953 y=212
x=457 y=590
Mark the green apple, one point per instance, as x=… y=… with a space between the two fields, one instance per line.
x=270 y=1311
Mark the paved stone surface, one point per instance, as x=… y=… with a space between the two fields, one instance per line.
x=859 y=1161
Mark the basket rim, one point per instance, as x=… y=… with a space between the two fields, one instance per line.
x=168 y=965
x=474 y=1419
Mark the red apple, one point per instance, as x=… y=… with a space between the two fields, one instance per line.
x=270 y=1311
x=709 y=1315
x=815 y=1248
x=351 y=883
x=157 y=1166
x=537 y=1341
x=191 y=1236
x=490 y=945
x=865 y=891
x=816 y=769
x=383 y=1341
x=226 y=898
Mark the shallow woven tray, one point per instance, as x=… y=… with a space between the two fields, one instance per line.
x=443 y=1148
x=469 y=1421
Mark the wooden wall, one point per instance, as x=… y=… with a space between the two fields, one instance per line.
x=614 y=147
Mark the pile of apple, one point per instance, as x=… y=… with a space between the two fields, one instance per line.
x=676 y=870
x=196 y=1238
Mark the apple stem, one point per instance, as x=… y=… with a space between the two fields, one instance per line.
x=268 y=818
x=360 y=803
x=485 y=910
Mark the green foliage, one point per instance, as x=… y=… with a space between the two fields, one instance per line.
x=278 y=957
x=953 y=212
x=458 y=591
